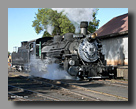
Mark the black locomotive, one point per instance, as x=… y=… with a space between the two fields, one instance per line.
x=79 y=54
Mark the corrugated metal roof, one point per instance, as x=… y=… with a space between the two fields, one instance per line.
x=115 y=25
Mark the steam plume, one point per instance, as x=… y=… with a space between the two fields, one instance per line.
x=47 y=70
x=76 y=15
x=50 y=29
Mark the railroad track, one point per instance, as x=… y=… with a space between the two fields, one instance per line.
x=113 y=83
x=69 y=92
x=82 y=90
x=64 y=87
x=20 y=94
x=106 y=82
x=59 y=94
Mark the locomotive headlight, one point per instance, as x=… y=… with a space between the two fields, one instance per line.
x=71 y=62
x=93 y=36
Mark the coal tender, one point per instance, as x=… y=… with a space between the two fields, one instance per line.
x=79 y=54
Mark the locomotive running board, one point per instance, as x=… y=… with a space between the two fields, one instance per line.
x=98 y=77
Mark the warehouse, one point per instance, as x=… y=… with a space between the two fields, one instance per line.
x=114 y=36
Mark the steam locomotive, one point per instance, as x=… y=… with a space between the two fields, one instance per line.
x=79 y=54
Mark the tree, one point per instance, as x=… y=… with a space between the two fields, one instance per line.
x=48 y=17
x=93 y=25
x=9 y=53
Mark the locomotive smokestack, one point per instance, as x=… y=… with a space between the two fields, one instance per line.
x=83 y=26
x=24 y=43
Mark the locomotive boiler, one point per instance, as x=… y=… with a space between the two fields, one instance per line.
x=79 y=54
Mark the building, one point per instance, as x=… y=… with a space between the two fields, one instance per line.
x=114 y=37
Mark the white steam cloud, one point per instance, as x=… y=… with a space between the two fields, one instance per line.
x=54 y=72
x=50 y=29
x=76 y=15
x=47 y=70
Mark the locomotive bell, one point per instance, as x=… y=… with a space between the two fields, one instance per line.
x=93 y=36
x=83 y=26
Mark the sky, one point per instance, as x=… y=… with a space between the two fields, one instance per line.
x=20 y=23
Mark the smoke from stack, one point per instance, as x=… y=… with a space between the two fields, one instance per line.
x=76 y=15
x=50 y=29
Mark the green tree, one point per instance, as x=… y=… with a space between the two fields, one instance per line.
x=46 y=34
x=59 y=21
x=93 y=25
x=9 y=53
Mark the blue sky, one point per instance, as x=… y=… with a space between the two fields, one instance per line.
x=20 y=23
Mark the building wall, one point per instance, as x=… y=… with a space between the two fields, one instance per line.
x=116 y=50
